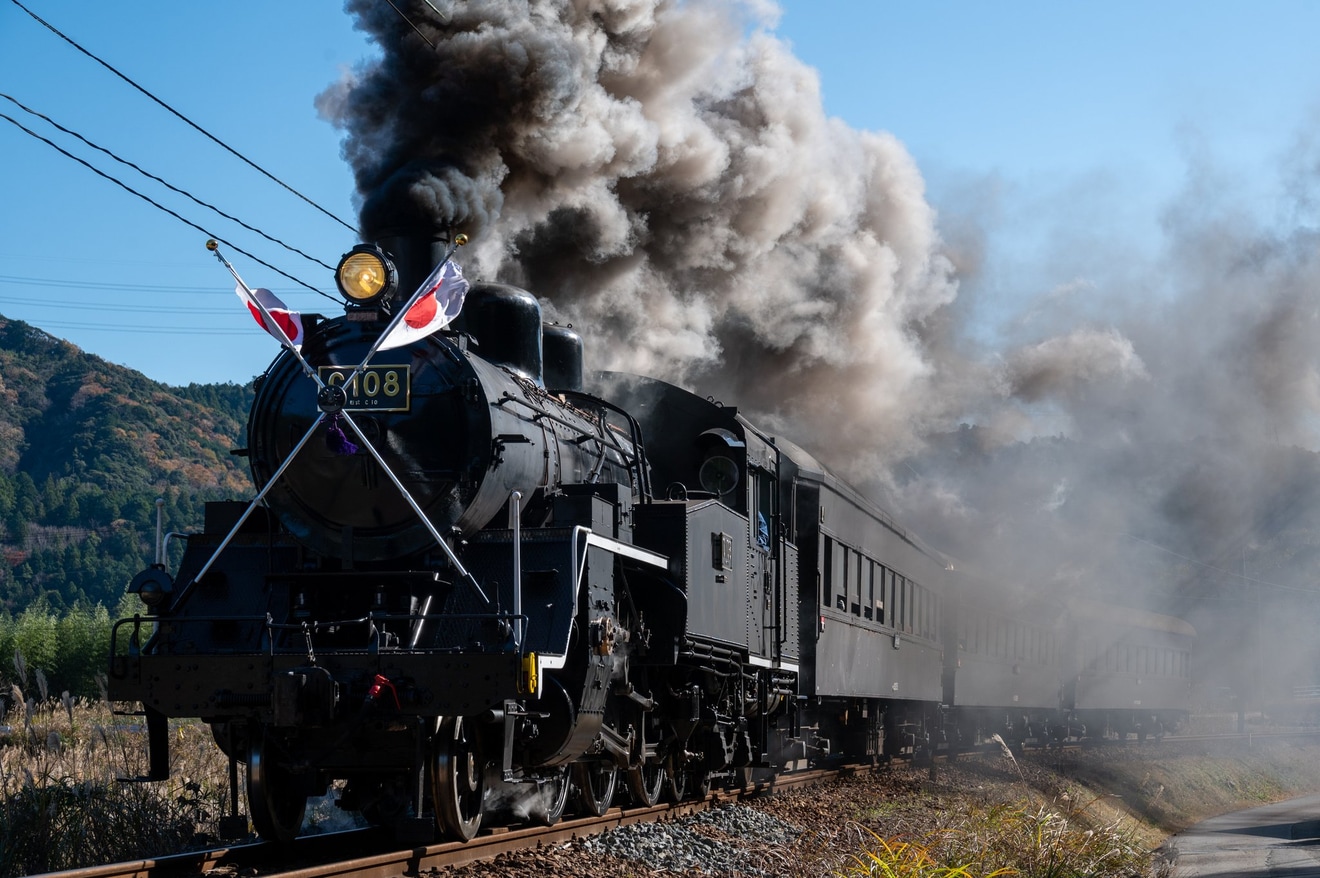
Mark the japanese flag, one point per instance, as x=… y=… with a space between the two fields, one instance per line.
x=283 y=319
x=441 y=299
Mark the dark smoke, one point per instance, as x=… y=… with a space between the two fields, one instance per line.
x=663 y=175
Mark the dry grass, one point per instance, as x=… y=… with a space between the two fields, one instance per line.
x=63 y=803
x=1027 y=839
x=1062 y=813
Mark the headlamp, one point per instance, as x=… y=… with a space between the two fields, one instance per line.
x=366 y=275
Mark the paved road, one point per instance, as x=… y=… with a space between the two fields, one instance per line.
x=1274 y=841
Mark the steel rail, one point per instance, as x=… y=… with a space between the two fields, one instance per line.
x=371 y=853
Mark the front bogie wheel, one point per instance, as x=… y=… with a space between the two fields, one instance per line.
x=458 y=779
x=553 y=795
x=275 y=799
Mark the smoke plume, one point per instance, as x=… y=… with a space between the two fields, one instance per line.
x=663 y=176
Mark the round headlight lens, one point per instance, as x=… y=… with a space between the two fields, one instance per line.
x=364 y=275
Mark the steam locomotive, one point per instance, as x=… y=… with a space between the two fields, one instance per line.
x=465 y=575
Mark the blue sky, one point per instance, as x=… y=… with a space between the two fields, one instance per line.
x=1026 y=119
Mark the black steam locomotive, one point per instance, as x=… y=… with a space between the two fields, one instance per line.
x=497 y=582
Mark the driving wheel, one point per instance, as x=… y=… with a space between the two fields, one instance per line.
x=595 y=782
x=553 y=798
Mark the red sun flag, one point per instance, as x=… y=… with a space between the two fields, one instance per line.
x=422 y=313
x=283 y=324
x=439 y=299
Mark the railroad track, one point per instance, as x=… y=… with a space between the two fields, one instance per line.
x=371 y=853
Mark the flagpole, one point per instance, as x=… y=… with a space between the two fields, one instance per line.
x=416 y=508
x=332 y=403
x=270 y=483
x=459 y=241
x=268 y=320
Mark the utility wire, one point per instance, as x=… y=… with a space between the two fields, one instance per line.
x=121 y=184
x=140 y=330
x=185 y=119
x=1226 y=572
x=19 y=280
x=63 y=306
x=415 y=28
x=164 y=183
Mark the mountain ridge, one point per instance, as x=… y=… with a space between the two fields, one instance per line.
x=86 y=448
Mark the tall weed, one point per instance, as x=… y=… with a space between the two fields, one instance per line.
x=1026 y=840
x=63 y=803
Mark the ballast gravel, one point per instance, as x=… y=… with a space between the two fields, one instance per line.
x=687 y=844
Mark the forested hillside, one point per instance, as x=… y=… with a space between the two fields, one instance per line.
x=86 y=448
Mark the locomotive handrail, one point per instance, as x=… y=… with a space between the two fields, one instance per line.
x=639 y=444
x=581 y=439
x=636 y=460
x=515 y=523
x=544 y=414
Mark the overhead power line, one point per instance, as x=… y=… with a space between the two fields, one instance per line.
x=121 y=184
x=1231 y=574
x=63 y=306
x=106 y=286
x=150 y=176
x=139 y=329
x=184 y=118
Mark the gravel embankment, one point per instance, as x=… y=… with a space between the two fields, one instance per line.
x=1154 y=789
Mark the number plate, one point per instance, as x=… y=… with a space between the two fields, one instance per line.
x=377 y=389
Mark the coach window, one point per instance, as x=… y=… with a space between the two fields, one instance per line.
x=840 y=566
x=861 y=583
x=890 y=599
x=914 y=608
x=827 y=556
x=848 y=587
x=881 y=577
x=854 y=568
x=904 y=605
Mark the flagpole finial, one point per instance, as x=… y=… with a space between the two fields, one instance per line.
x=212 y=244
x=460 y=239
